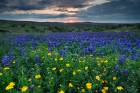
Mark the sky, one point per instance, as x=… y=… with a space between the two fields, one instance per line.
x=69 y=11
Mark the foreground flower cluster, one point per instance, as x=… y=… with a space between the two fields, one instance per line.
x=104 y=62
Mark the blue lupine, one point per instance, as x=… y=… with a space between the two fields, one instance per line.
x=125 y=72
x=49 y=49
x=116 y=67
x=5 y=60
x=62 y=53
x=37 y=58
x=134 y=57
x=34 y=44
x=122 y=59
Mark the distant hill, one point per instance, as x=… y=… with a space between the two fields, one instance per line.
x=29 y=26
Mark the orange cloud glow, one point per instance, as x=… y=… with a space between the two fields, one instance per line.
x=51 y=11
x=65 y=20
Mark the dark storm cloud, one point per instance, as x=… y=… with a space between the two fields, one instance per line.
x=3 y=4
x=40 y=4
x=22 y=4
x=82 y=10
x=54 y=7
x=118 y=6
x=115 y=10
x=68 y=7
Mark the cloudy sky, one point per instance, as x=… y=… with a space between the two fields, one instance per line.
x=71 y=10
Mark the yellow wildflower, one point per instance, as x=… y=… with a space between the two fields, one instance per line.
x=97 y=77
x=54 y=68
x=67 y=65
x=14 y=62
x=70 y=85
x=55 y=59
x=1 y=74
x=61 y=70
x=29 y=79
x=106 y=61
x=10 y=86
x=97 y=58
x=88 y=85
x=74 y=72
x=102 y=61
x=38 y=76
x=114 y=78
x=49 y=54
x=86 y=68
x=24 y=88
x=83 y=91
x=79 y=70
x=61 y=91
x=61 y=58
x=104 y=81
x=104 y=90
x=120 y=88
x=6 y=68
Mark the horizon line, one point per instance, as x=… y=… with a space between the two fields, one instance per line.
x=37 y=21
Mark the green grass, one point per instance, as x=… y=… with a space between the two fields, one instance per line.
x=58 y=72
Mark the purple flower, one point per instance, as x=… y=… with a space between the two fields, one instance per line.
x=62 y=53
x=5 y=60
x=116 y=68
x=122 y=59
x=134 y=57
x=125 y=72
x=37 y=58
x=34 y=44
x=49 y=49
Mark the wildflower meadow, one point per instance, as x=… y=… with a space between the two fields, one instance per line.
x=70 y=62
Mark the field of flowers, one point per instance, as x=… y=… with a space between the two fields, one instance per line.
x=72 y=62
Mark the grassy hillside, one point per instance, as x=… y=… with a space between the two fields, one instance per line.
x=17 y=26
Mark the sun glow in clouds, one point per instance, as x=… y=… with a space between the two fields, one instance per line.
x=65 y=20
x=57 y=9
